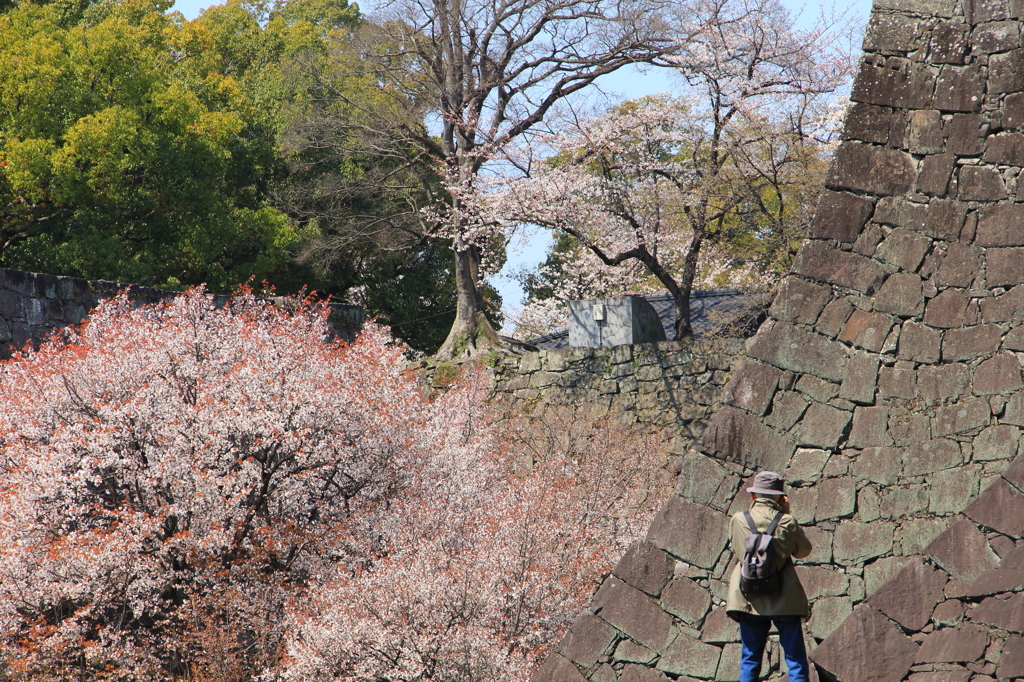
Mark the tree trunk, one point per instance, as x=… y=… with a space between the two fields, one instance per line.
x=681 y=293
x=471 y=332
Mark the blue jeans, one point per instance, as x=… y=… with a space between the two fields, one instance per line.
x=754 y=636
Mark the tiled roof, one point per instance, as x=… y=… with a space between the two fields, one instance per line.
x=709 y=310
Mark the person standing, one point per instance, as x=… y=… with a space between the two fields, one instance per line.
x=786 y=608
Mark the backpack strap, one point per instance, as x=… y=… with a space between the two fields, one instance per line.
x=770 y=530
x=750 y=523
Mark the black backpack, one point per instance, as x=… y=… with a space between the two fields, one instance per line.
x=758 y=573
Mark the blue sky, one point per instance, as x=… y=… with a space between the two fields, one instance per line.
x=625 y=84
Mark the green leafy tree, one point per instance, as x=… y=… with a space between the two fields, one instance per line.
x=116 y=162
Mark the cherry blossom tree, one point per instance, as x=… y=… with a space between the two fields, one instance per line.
x=488 y=557
x=461 y=81
x=172 y=476
x=731 y=162
x=227 y=494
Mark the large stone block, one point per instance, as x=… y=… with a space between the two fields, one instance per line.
x=879 y=465
x=968 y=414
x=982 y=11
x=856 y=542
x=919 y=343
x=963 y=551
x=692 y=532
x=946 y=310
x=1007 y=614
x=859 y=379
x=637 y=673
x=911 y=595
x=1004 y=267
x=959 y=88
x=1000 y=507
x=1007 y=307
x=819 y=581
x=907 y=428
x=828 y=614
x=897 y=383
x=945 y=219
x=1013 y=111
x=1001 y=225
x=817 y=260
x=867 y=123
x=555 y=668
x=589 y=639
x=840 y=216
x=628 y=650
x=964 y=644
x=704 y=480
x=822 y=426
x=1005 y=148
x=876 y=170
x=894 y=83
x=999 y=374
x=1014 y=340
x=818 y=389
x=867 y=330
x=788 y=348
x=799 y=301
x=965 y=135
x=898 y=502
x=833 y=317
x=980 y=183
x=952 y=489
x=837 y=498
x=870 y=428
x=901 y=294
x=719 y=628
x=936 y=171
x=899 y=212
x=867 y=647
x=893 y=34
x=996 y=36
x=788 y=407
x=1011 y=663
x=949 y=42
x=1006 y=72
x=904 y=248
x=996 y=442
x=806 y=466
x=970 y=343
x=751 y=387
x=924 y=133
x=687 y=656
x=634 y=613
x=686 y=600
x=645 y=567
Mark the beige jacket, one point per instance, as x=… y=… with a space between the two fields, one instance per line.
x=790 y=541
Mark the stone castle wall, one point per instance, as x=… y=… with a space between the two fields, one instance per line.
x=669 y=386
x=32 y=305
x=886 y=385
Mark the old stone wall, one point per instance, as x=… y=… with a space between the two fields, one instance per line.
x=886 y=385
x=668 y=386
x=33 y=304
